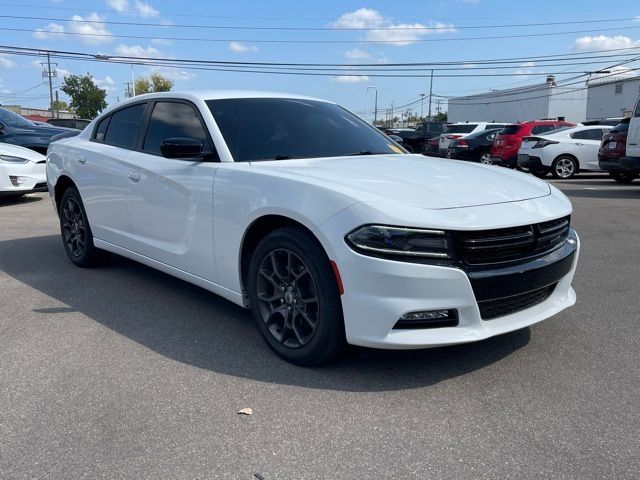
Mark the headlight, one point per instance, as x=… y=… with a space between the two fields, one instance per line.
x=409 y=242
x=10 y=159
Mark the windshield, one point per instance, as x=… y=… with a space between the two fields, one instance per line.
x=461 y=128
x=283 y=128
x=14 y=120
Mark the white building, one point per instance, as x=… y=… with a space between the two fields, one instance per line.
x=612 y=97
x=521 y=104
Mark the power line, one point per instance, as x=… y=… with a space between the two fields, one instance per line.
x=347 y=29
x=314 y=41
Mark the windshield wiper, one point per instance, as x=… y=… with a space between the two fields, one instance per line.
x=365 y=152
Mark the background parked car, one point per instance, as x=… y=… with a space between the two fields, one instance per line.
x=77 y=123
x=631 y=160
x=416 y=140
x=474 y=147
x=612 y=148
x=563 y=152
x=507 y=143
x=22 y=171
x=17 y=130
x=453 y=131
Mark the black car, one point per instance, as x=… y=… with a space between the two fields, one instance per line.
x=17 y=130
x=77 y=123
x=417 y=139
x=475 y=147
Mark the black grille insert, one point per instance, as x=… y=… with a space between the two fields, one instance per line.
x=514 y=243
x=500 y=307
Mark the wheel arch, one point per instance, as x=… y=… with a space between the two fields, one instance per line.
x=62 y=184
x=570 y=155
x=256 y=231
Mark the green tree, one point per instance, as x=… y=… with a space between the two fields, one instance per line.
x=87 y=99
x=440 y=117
x=60 y=105
x=156 y=83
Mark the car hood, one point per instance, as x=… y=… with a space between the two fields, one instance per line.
x=40 y=130
x=16 y=151
x=415 y=180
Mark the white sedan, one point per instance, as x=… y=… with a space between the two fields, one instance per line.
x=22 y=171
x=564 y=152
x=328 y=231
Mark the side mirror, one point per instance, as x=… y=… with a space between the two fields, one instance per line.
x=181 y=148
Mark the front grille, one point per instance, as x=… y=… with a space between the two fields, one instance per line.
x=511 y=244
x=505 y=306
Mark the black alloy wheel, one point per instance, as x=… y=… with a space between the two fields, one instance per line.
x=287 y=298
x=295 y=298
x=76 y=233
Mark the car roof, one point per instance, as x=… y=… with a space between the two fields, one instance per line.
x=218 y=95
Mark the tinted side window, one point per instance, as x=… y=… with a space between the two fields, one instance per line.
x=538 y=129
x=123 y=127
x=637 y=111
x=593 y=134
x=101 y=128
x=172 y=120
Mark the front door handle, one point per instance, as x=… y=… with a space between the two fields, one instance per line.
x=82 y=159
x=134 y=176
x=578 y=143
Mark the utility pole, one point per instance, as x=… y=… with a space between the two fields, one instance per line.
x=127 y=90
x=392 y=117
x=50 y=74
x=57 y=105
x=133 y=82
x=430 y=93
x=422 y=95
x=375 y=109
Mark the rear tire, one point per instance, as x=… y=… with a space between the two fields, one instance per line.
x=295 y=299
x=623 y=177
x=540 y=173
x=77 y=238
x=564 y=167
x=486 y=159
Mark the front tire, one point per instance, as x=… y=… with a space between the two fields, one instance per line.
x=623 y=177
x=76 y=232
x=564 y=167
x=295 y=299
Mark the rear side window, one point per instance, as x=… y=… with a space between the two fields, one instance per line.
x=510 y=130
x=101 y=128
x=621 y=127
x=538 y=129
x=173 y=120
x=592 y=134
x=124 y=126
x=491 y=126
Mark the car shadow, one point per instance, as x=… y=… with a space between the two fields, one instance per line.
x=191 y=325
x=6 y=201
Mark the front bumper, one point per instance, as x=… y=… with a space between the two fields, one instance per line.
x=22 y=178
x=379 y=291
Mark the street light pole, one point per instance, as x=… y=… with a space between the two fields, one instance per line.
x=375 y=108
x=422 y=95
x=430 y=93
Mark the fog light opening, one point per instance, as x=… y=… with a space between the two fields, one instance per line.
x=428 y=319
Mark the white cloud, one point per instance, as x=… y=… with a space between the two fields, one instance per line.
x=382 y=29
x=528 y=64
x=161 y=41
x=602 y=42
x=356 y=54
x=145 y=10
x=137 y=51
x=50 y=31
x=119 y=5
x=6 y=62
x=350 y=78
x=90 y=33
x=239 y=47
x=175 y=74
x=62 y=72
x=107 y=83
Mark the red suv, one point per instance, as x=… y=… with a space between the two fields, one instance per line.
x=507 y=143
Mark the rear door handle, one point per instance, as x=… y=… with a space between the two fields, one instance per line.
x=134 y=176
x=82 y=159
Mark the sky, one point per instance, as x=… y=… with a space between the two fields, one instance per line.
x=372 y=32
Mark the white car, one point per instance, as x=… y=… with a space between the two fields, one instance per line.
x=329 y=232
x=454 y=131
x=22 y=171
x=563 y=152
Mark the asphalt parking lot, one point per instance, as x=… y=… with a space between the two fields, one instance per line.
x=124 y=372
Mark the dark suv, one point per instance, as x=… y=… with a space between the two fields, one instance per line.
x=17 y=130
x=612 y=148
